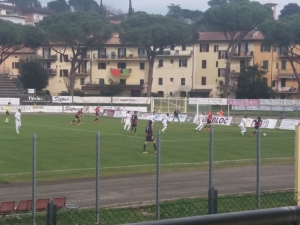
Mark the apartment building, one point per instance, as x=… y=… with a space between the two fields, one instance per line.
x=8 y=11
x=35 y=15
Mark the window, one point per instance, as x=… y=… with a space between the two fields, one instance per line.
x=203 y=80
x=172 y=47
x=101 y=53
x=142 y=53
x=160 y=94
x=63 y=73
x=221 y=72
x=160 y=63
x=15 y=65
x=123 y=81
x=101 y=81
x=182 y=81
x=46 y=65
x=182 y=63
x=82 y=80
x=121 y=65
x=183 y=47
x=273 y=83
x=216 y=48
x=283 y=65
x=265 y=48
x=171 y=61
x=265 y=64
x=142 y=66
x=101 y=66
x=160 y=81
x=204 y=47
x=64 y=58
x=142 y=81
x=46 y=53
x=283 y=80
x=217 y=64
x=203 y=64
x=121 y=52
x=171 y=81
x=135 y=93
x=277 y=65
x=223 y=54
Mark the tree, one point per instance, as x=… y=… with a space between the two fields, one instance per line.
x=115 y=88
x=114 y=10
x=32 y=73
x=213 y=3
x=58 y=6
x=102 y=9
x=285 y=33
x=84 y=5
x=235 y=21
x=154 y=33
x=131 y=10
x=27 y=3
x=79 y=31
x=252 y=84
x=14 y=37
x=190 y=16
x=289 y=9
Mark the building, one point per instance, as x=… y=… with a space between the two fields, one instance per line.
x=34 y=15
x=8 y=11
x=124 y=64
x=173 y=71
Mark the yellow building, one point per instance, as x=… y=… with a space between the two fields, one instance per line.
x=125 y=64
x=173 y=71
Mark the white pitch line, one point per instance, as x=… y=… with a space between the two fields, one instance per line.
x=146 y=165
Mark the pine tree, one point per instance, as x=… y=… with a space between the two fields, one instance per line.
x=131 y=10
x=102 y=10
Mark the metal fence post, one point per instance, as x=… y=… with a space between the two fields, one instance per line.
x=158 y=178
x=97 y=177
x=258 y=170
x=211 y=189
x=33 y=197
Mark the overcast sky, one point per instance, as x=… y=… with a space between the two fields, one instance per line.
x=160 y=6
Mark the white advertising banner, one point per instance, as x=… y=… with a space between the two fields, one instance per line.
x=217 y=120
x=266 y=123
x=264 y=108
x=287 y=124
x=74 y=109
x=131 y=100
x=276 y=102
x=30 y=108
x=208 y=101
x=13 y=101
x=87 y=100
x=62 y=99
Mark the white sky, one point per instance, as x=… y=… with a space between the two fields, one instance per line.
x=160 y=6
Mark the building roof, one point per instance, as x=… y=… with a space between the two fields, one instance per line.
x=37 y=10
x=25 y=51
x=9 y=7
x=115 y=40
x=219 y=36
x=115 y=21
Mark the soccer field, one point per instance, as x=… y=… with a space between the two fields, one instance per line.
x=68 y=151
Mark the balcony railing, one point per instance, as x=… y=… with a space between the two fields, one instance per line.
x=286 y=90
x=49 y=57
x=51 y=71
x=86 y=72
x=247 y=54
x=236 y=71
x=174 y=53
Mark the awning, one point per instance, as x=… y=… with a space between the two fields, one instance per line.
x=287 y=76
x=205 y=91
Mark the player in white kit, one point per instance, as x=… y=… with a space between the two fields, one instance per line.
x=127 y=120
x=18 y=120
x=164 y=122
x=152 y=118
x=123 y=111
x=243 y=125
x=200 y=121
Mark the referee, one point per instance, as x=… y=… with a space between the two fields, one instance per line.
x=176 y=115
x=7 y=113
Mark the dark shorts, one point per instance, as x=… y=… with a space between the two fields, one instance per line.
x=208 y=121
x=149 y=138
x=97 y=114
x=133 y=125
x=256 y=128
x=77 y=117
x=7 y=113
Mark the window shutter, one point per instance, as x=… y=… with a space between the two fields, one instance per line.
x=200 y=47
x=219 y=55
x=60 y=58
x=60 y=73
x=261 y=47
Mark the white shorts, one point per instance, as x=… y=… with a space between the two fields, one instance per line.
x=164 y=124
x=127 y=123
x=18 y=123
x=200 y=124
x=242 y=128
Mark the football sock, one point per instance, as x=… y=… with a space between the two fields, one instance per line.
x=78 y=121
x=73 y=121
x=134 y=130
x=144 y=147
x=124 y=127
x=154 y=146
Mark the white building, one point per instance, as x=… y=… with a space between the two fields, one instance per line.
x=8 y=11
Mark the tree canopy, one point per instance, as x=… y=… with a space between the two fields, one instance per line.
x=58 y=6
x=285 y=33
x=154 y=32
x=14 y=37
x=235 y=21
x=176 y=12
x=79 y=31
x=213 y=3
x=32 y=73
x=252 y=85
x=130 y=10
x=289 y=9
x=27 y=3
x=84 y=5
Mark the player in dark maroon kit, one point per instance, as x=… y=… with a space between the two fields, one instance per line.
x=134 y=122
x=97 y=110
x=149 y=137
x=209 y=120
x=257 y=125
x=77 y=117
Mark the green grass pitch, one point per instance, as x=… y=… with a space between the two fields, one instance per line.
x=68 y=151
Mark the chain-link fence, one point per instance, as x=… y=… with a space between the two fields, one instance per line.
x=99 y=186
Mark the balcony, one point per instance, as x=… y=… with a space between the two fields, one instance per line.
x=243 y=54
x=287 y=74
x=236 y=71
x=174 y=53
x=51 y=72
x=286 y=90
x=49 y=57
x=126 y=72
x=127 y=57
x=83 y=72
x=82 y=58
